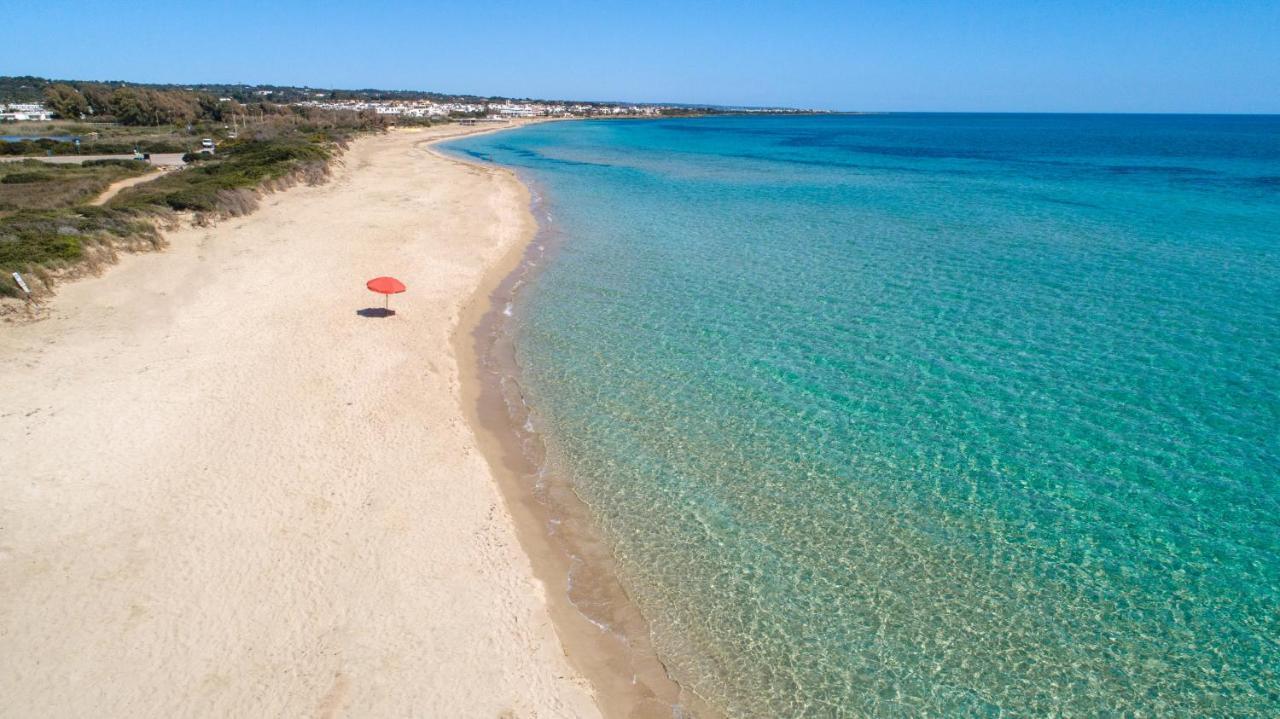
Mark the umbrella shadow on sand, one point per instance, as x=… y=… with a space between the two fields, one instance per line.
x=385 y=286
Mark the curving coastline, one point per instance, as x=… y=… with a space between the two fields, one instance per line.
x=229 y=493
x=605 y=636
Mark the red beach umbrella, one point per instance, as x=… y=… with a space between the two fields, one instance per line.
x=386 y=286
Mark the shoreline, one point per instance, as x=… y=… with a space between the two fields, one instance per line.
x=608 y=642
x=230 y=491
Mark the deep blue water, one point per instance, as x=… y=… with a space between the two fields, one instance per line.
x=906 y=415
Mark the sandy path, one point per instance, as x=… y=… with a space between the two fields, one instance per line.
x=114 y=188
x=225 y=493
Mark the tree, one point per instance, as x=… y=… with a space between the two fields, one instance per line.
x=66 y=101
x=140 y=106
x=129 y=107
x=211 y=107
x=99 y=98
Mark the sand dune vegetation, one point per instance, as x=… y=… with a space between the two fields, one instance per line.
x=47 y=231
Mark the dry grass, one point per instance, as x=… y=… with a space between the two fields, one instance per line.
x=49 y=245
x=48 y=234
x=103 y=138
x=34 y=185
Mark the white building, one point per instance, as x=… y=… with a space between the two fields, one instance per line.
x=19 y=112
x=503 y=110
x=515 y=110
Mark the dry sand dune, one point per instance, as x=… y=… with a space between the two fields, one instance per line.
x=226 y=493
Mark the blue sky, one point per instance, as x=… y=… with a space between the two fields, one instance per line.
x=1118 y=56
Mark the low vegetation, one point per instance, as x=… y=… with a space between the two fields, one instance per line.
x=35 y=185
x=98 y=138
x=150 y=143
x=216 y=185
x=43 y=243
x=47 y=231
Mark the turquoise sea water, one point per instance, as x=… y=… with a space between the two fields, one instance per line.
x=908 y=415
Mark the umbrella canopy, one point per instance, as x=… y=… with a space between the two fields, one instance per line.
x=385 y=285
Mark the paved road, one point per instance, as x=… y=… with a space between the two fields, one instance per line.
x=170 y=159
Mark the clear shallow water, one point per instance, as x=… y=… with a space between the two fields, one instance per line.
x=924 y=415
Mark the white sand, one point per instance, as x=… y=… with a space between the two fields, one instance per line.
x=224 y=493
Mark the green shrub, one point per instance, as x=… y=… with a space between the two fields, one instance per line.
x=22 y=178
x=101 y=147
x=33 y=185
x=298 y=145
x=242 y=164
x=112 y=162
x=197 y=199
x=49 y=238
x=36 y=238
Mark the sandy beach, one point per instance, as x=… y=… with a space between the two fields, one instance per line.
x=228 y=492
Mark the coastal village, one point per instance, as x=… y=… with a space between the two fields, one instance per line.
x=418 y=109
x=423 y=109
x=495 y=110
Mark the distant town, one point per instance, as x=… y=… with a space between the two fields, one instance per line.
x=25 y=112
x=26 y=99
x=490 y=110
